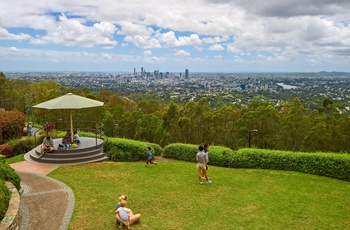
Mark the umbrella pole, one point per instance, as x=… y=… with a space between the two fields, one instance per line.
x=71 y=126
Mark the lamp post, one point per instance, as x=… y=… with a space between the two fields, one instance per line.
x=250 y=136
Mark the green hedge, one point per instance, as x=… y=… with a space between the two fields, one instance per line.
x=9 y=174
x=120 y=149
x=20 y=146
x=5 y=196
x=188 y=152
x=323 y=164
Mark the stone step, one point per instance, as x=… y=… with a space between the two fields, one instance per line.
x=90 y=150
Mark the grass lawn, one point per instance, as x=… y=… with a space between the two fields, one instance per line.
x=15 y=159
x=168 y=196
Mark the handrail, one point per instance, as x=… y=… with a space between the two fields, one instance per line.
x=60 y=125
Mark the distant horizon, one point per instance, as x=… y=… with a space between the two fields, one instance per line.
x=131 y=72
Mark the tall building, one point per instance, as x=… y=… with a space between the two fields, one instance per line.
x=186 y=73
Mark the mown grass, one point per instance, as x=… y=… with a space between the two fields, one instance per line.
x=15 y=159
x=168 y=196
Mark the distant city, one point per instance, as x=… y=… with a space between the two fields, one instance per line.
x=186 y=86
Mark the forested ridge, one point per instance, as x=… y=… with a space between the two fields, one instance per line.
x=286 y=126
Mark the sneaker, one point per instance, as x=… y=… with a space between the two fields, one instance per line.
x=208 y=181
x=156 y=163
x=201 y=182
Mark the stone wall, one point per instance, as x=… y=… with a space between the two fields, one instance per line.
x=12 y=217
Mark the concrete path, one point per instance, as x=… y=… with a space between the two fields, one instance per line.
x=45 y=202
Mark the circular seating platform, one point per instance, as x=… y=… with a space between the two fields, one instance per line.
x=88 y=151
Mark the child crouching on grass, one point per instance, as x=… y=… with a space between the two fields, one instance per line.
x=124 y=214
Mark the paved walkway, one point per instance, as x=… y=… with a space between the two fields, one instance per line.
x=45 y=202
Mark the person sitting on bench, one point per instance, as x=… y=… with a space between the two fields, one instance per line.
x=76 y=138
x=46 y=146
x=66 y=141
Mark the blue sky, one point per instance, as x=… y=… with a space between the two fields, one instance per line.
x=199 y=35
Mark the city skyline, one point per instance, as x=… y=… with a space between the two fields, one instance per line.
x=200 y=35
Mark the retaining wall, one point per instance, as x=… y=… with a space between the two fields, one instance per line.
x=12 y=217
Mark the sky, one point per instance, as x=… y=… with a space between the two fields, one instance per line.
x=198 y=35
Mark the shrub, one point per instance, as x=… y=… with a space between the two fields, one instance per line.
x=20 y=146
x=5 y=196
x=11 y=125
x=25 y=132
x=185 y=152
x=188 y=152
x=6 y=150
x=324 y=164
x=9 y=174
x=118 y=155
x=130 y=150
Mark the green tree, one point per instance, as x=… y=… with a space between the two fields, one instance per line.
x=263 y=118
x=294 y=127
x=170 y=124
x=148 y=128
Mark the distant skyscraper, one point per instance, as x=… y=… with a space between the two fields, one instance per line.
x=186 y=73
x=134 y=71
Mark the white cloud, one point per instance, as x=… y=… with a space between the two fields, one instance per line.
x=216 y=39
x=216 y=47
x=107 y=56
x=147 y=52
x=132 y=29
x=169 y=39
x=5 y=35
x=70 y=32
x=182 y=53
x=314 y=30
x=232 y=49
x=14 y=49
x=143 y=42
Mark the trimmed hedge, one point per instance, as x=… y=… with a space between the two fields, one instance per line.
x=9 y=174
x=5 y=196
x=20 y=146
x=323 y=164
x=120 y=149
x=188 y=152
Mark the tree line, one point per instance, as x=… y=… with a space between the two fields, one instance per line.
x=287 y=126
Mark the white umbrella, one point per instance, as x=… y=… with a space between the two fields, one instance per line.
x=69 y=101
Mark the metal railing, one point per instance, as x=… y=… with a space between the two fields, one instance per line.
x=95 y=127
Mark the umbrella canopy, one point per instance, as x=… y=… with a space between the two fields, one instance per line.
x=69 y=101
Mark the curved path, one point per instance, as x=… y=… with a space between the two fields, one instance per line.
x=45 y=202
